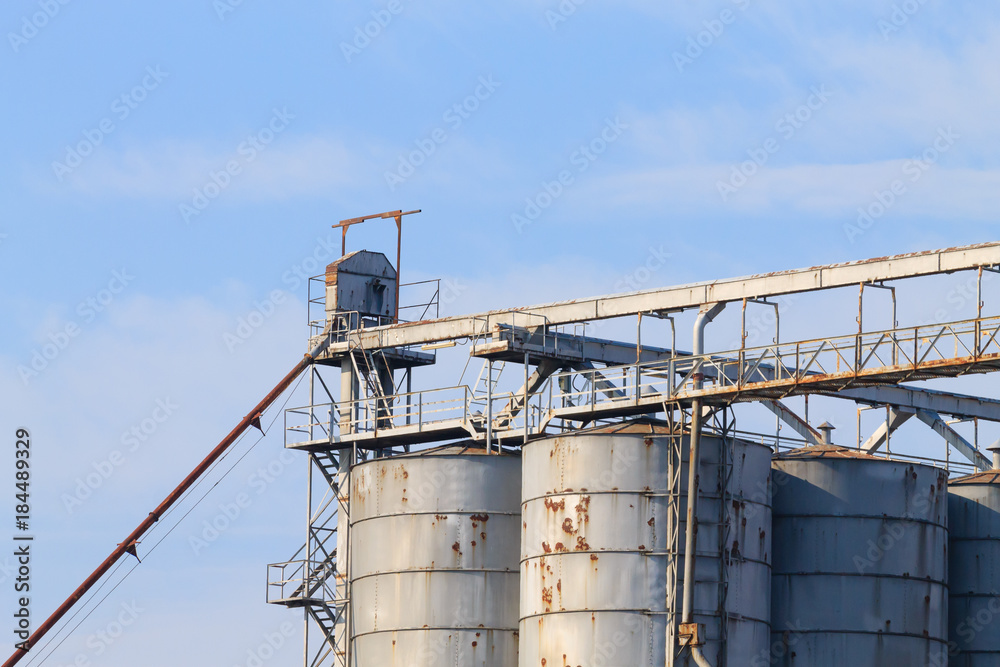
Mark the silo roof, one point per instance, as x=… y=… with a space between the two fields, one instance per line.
x=462 y=448
x=634 y=426
x=827 y=452
x=987 y=477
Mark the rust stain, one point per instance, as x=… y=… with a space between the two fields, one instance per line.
x=482 y=518
x=546 y=548
x=581 y=544
x=457 y=548
x=555 y=505
x=547 y=598
x=567 y=526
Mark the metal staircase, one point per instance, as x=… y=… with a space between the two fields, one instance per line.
x=313 y=579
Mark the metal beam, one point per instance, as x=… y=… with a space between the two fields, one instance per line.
x=685 y=296
x=896 y=419
x=798 y=424
x=535 y=382
x=513 y=343
x=964 y=447
x=600 y=381
x=955 y=405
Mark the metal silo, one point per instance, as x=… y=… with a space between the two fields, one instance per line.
x=596 y=547
x=974 y=578
x=860 y=560
x=434 y=559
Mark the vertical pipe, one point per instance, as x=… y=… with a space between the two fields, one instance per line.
x=979 y=309
x=705 y=315
x=524 y=408
x=489 y=407
x=399 y=248
x=409 y=394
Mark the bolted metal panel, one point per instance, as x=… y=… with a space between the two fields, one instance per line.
x=974 y=579
x=362 y=282
x=595 y=549
x=434 y=559
x=860 y=561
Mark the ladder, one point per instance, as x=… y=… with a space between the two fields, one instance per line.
x=675 y=474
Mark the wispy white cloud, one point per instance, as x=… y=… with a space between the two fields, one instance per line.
x=311 y=165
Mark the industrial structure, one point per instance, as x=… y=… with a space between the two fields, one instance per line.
x=591 y=501
x=596 y=436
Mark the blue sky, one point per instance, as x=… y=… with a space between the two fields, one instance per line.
x=201 y=149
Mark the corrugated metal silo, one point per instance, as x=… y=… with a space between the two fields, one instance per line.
x=434 y=559
x=974 y=578
x=595 y=548
x=860 y=560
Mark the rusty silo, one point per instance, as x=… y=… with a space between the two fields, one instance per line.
x=974 y=579
x=596 y=548
x=860 y=560
x=434 y=559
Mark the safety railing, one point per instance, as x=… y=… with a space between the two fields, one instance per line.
x=301 y=580
x=423 y=306
x=786 y=364
x=892 y=353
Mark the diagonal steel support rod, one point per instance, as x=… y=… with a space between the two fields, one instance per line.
x=129 y=544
